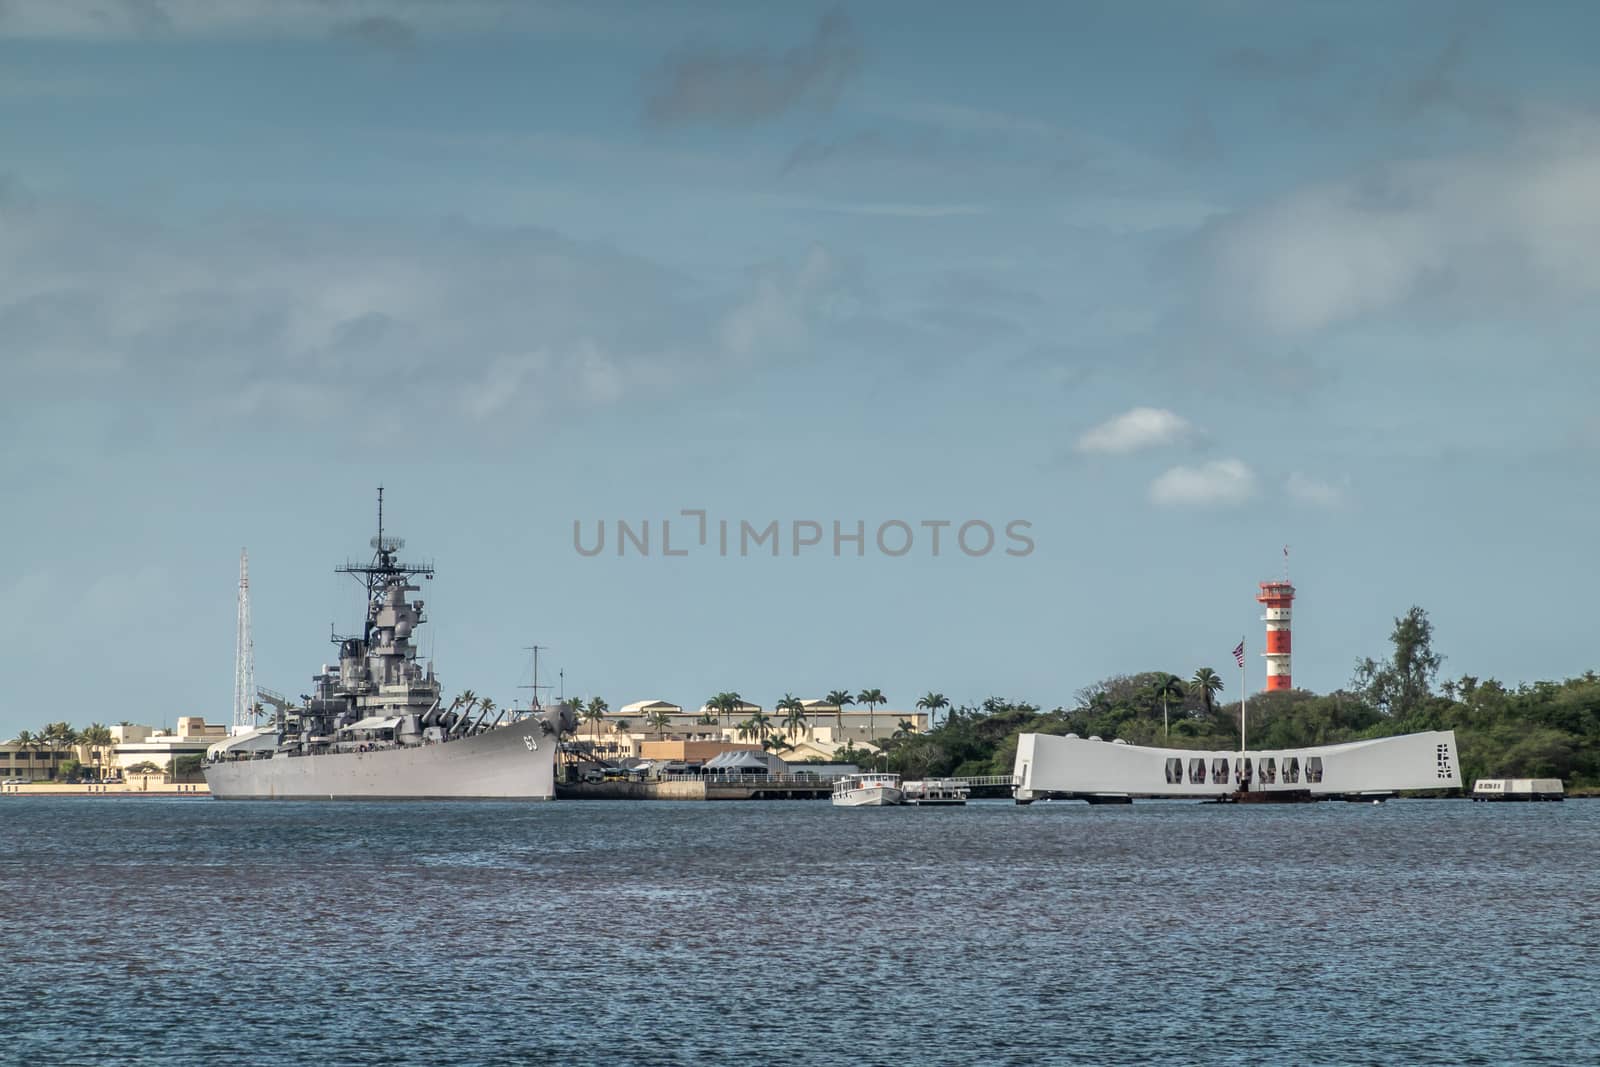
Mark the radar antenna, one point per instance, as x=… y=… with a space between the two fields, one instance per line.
x=385 y=569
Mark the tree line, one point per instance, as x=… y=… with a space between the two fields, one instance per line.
x=1544 y=729
x=57 y=743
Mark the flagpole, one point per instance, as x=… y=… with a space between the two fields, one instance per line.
x=1243 y=688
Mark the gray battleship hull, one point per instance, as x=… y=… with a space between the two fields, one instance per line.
x=511 y=762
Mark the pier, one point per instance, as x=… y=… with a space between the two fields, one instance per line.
x=747 y=787
x=154 y=787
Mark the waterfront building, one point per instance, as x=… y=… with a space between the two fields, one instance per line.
x=823 y=720
x=32 y=761
x=691 y=751
x=640 y=708
x=136 y=744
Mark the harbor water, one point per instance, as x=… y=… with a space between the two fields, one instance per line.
x=197 y=932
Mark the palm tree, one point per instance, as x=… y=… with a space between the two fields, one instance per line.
x=483 y=710
x=98 y=737
x=794 y=719
x=871 y=698
x=932 y=703
x=725 y=704
x=1166 y=685
x=1204 y=683
x=594 y=714
x=59 y=736
x=598 y=704
x=660 y=719
x=839 y=698
x=26 y=743
x=758 y=725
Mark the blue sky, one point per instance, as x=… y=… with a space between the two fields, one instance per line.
x=1174 y=284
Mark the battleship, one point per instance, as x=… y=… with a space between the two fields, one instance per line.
x=373 y=727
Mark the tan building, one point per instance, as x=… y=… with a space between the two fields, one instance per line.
x=136 y=744
x=691 y=751
x=30 y=762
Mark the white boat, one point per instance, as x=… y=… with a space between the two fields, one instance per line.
x=1518 y=789
x=868 y=791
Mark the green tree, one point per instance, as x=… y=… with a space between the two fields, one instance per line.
x=595 y=715
x=185 y=768
x=27 y=743
x=98 y=737
x=1400 y=685
x=839 y=698
x=871 y=698
x=58 y=738
x=1164 y=687
x=1206 y=684
x=932 y=703
x=660 y=719
x=794 y=718
x=726 y=705
x=758 y=725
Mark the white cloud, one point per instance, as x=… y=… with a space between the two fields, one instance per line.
x=1308 y=490
x=1491 y=231
x=776 y=314
x=1214 y=484
x=1136 y=430
x=311 y=319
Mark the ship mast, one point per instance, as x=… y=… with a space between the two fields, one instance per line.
x=379 y=574
x=533 y=701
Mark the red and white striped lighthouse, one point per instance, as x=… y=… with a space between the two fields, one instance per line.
x=1278 y=597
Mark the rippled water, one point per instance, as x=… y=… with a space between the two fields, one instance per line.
x=152 y=931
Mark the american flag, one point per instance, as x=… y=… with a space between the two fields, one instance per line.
x=1238 y=652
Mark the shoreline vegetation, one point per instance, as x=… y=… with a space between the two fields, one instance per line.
x=1544 y=729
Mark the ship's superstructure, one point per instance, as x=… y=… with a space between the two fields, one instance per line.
x=373 y=725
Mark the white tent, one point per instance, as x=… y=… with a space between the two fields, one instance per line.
x=743 y=761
